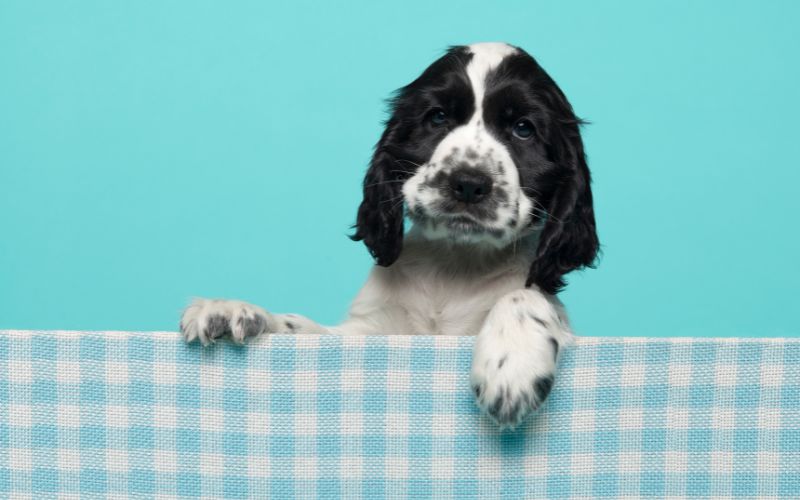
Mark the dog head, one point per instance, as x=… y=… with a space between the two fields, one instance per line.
x=483 y=149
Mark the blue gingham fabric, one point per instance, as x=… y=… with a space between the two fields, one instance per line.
x=123 y=415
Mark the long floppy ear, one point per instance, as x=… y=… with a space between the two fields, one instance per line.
x=380 y=216
x=568 y=240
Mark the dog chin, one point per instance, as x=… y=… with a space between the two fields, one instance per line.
x=459 y=228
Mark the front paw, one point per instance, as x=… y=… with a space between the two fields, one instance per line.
x=511 y=383
x=209 y=320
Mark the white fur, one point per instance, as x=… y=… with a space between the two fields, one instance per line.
x=514 y=350
x=449 y=285
x=485 y=57
x=440 y=288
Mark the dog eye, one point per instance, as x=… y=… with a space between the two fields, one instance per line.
x=523 y=129
x=437 y=117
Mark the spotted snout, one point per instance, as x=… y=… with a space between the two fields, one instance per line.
x=468 y=193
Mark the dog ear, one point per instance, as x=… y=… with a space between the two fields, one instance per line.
x=380 y=216
x=568 y=240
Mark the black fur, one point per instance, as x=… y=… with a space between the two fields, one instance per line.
x=408 y=141
x=551 y=164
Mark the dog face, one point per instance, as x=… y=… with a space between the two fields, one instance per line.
x=483 y=149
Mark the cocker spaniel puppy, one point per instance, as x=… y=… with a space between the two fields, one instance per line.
x=483 y=154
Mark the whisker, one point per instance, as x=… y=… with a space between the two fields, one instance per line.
x=398 y=160
x=384 y=182
x=401 y=172
x=546 y=214
x=393 y=198
x=535 y=191
x=396 y=204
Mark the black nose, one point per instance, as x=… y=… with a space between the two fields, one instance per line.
x=470 y=185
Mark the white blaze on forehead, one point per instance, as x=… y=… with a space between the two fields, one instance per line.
x=485 y=57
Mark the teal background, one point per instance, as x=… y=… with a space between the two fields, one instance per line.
x=153 y=151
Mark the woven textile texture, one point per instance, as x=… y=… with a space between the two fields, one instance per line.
x=118 y=414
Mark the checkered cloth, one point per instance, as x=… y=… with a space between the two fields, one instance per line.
x=144 y=415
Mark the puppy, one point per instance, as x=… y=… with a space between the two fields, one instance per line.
x=483 y=154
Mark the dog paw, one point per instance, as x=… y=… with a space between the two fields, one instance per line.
x=208 y=320
x=510 y=384
x=514 y=361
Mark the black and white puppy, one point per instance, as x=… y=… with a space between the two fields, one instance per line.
x=483 y=153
